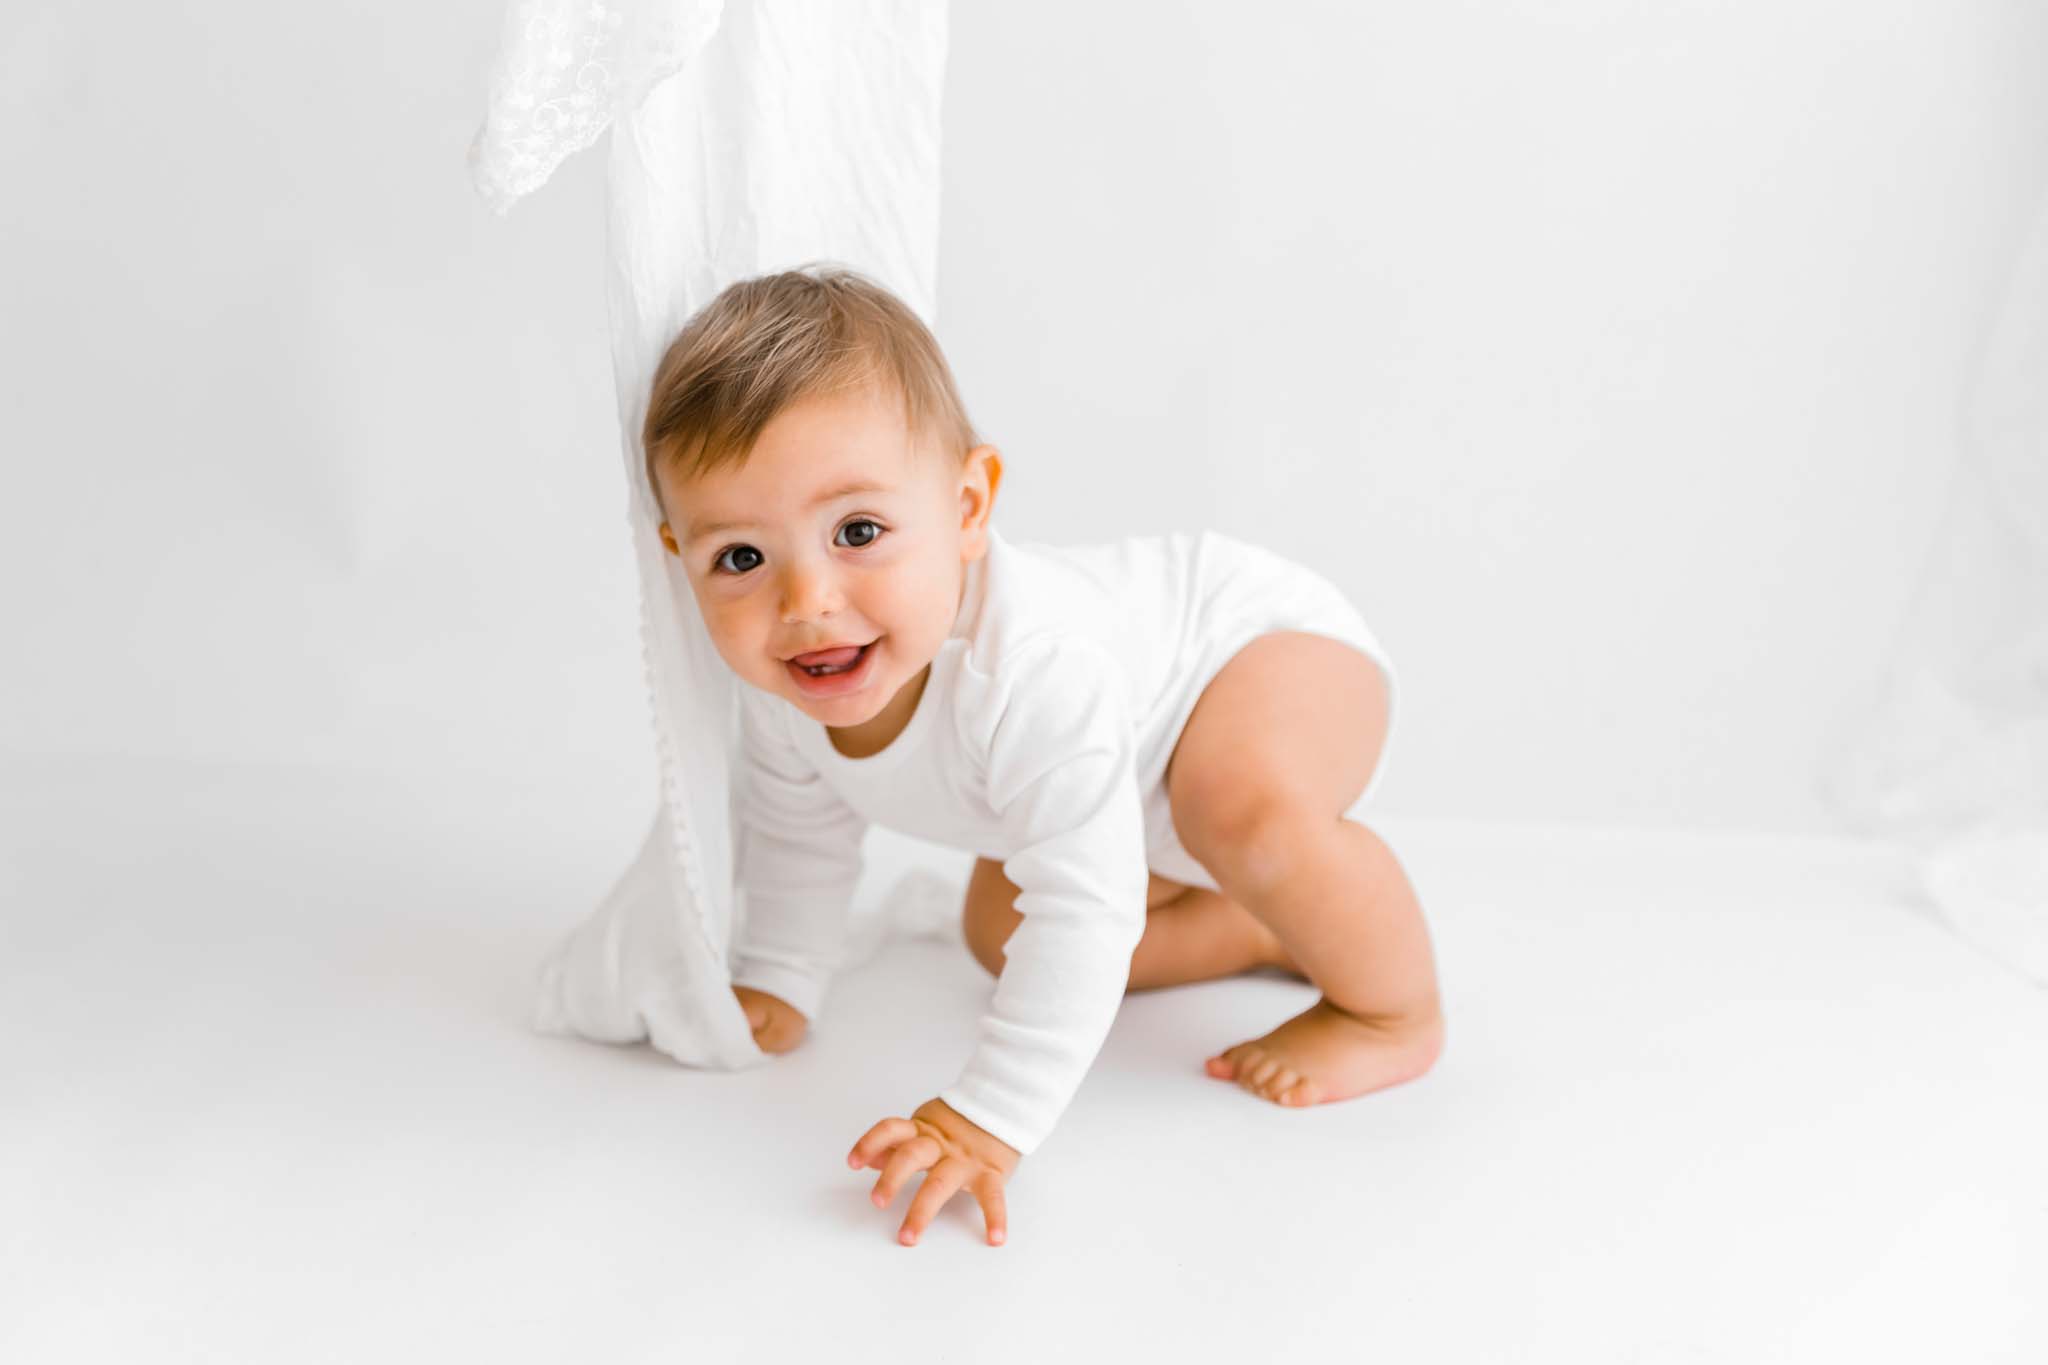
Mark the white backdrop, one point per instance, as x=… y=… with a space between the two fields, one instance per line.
x=1613 y=361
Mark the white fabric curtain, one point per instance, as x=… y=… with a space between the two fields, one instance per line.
x=747 y=136
x=1952 y=757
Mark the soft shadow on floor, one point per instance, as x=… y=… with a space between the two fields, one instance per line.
x=271 y=1094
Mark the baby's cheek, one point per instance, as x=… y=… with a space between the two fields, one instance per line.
x=729 y=643
x=926 y=596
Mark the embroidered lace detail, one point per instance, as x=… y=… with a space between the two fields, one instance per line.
x=565 y=71
x=682 y=841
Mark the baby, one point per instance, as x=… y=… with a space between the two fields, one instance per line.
x=1157 y=747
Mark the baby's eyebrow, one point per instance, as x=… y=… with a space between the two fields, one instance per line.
x=696 y=532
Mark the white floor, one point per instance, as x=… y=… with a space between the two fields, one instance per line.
x=267 y=1094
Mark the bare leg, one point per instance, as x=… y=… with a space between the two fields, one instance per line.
x=1279 y=747
x=1191 y=932
x=1343 y=903
x=1199 y=935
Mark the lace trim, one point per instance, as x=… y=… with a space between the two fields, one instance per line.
x=682 y=840
x=553 y=93
x=565 y=70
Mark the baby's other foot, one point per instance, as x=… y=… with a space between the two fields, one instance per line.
x=1324 y=1054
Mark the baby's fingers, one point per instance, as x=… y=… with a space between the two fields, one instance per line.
x=995 y=1214
x=940 y=1184
x=878 y=1140
x=908 y=1158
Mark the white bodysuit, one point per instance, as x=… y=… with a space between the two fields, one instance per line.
x=1040 y=740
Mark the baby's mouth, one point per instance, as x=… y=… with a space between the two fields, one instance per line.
x=825 y=663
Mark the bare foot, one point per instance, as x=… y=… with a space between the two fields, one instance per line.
x=1324 y=1054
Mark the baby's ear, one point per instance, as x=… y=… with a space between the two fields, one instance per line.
x=668 y=538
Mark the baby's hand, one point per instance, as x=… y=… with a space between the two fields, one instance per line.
x=957 y=1151
x=776 y=1024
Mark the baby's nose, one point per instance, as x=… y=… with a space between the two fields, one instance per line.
x=808 y=593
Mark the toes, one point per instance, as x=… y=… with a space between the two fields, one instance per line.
x=1298 y=1094
x=1230 y=1063
x=1262 y=1074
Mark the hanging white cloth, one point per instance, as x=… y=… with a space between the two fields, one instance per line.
x=747 y=136
x=1952 y=759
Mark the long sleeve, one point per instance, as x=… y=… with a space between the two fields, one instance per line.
x=1061 y=777
x=798 y=858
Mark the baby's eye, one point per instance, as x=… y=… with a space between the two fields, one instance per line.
x=734 y=549
x=718 y=565
x=863 y=521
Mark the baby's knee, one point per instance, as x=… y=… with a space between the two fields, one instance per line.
x=992 y=963
x=988 y=917
x=986 y=951
x=1256 y=847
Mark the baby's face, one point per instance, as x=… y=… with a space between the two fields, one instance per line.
x=785 y=557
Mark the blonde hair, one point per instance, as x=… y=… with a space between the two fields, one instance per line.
x=767 y=342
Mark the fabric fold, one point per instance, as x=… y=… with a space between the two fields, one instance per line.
x=1950 y=757
x=747 y=137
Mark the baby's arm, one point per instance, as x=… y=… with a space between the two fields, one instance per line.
x=798 y=859
x=1060 y=773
